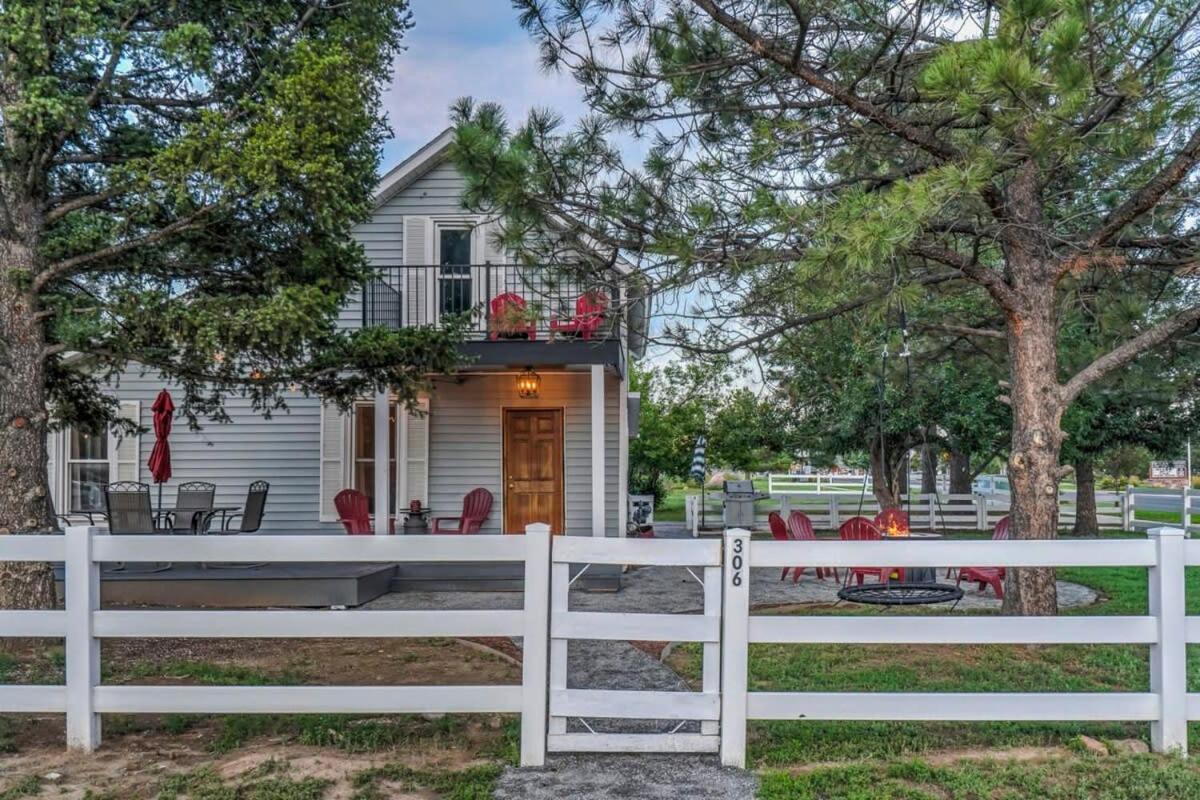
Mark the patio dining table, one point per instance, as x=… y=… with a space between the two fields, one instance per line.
x=160 y=513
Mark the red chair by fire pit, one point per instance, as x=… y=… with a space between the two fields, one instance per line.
x=801 y=529
x=988 y=576
x=509 y=318
x=860 y=529
x=476 y=507
x=779 y=532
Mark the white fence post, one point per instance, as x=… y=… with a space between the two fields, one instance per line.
x=933 y=505
x=1127 y=509
x=981 y=512
x=1187 y=510
x=81 y=583
x=835 y=519
x=535 y=645
x=785 y=506
x=734 y=647
x=1168 y=657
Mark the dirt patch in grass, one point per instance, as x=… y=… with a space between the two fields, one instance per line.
x=292 y=771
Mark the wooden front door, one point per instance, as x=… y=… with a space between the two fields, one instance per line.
x=533 y=469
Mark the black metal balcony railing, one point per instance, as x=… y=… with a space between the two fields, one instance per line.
x=502 y=301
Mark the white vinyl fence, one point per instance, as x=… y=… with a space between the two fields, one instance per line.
x=546 y=624
x=954 y=512
x=84 y=625
x=1167 y=706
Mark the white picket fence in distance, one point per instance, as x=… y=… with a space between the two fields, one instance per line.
x=954 y=512
x=84 y=625
x=1167 y=706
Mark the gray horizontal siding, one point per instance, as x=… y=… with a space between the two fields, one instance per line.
x=466 y=443
x=282 y=450
x=438 y=191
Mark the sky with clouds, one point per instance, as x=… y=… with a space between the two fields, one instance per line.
x=466 y=47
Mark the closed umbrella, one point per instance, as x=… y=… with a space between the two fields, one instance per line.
x=160 y=456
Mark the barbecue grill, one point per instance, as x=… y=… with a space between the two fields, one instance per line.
x=740 y=497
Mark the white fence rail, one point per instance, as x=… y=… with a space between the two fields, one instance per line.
x=545 y=700
x=84 y=625
x=1167 y=705
x=955 y=512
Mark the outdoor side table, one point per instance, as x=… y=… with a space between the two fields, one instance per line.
x=416 y=523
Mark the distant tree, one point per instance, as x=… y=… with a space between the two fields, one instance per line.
x=178 y=183
x=749 y=433
x=675 y=403
x=834 y=154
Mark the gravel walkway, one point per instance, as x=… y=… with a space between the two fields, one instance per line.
x=638 y=777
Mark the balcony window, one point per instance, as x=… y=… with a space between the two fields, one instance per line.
x=454 y=279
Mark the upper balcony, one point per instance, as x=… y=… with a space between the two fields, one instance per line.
x=508 y=307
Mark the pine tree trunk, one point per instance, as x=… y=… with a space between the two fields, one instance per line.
x=885 y=476
x=1036 y=441
x=960 y=473
x=1086 y=521
x=24 y=486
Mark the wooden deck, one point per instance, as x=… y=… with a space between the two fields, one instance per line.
x=312 y=585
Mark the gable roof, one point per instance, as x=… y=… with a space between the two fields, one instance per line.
x=410 y=169
x=428 y=156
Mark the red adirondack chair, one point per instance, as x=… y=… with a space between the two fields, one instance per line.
x=476 y=507
x=892 y=519
x=988 y=576
x=353 y=508
x=506 y=317
x=779 y=532
x=589 y=315
x=801 y=529
x=860 y=529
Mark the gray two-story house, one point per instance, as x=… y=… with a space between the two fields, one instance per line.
x=540 y=418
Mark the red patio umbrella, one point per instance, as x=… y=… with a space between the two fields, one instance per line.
x=160 y=456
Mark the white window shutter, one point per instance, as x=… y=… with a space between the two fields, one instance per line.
x=417 y=455
x=124 y=452
x=418 y=288
x=334 y=439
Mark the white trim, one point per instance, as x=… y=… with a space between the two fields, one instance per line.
x=383 y=461
x=597 y=408
x=623 y=456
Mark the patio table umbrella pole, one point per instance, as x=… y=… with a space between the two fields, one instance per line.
x=160 y=456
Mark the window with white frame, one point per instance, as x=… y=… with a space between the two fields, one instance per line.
x=90 y=461
x=88 y=470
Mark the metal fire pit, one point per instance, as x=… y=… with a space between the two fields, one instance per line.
x=740 y=497
x=901 y=594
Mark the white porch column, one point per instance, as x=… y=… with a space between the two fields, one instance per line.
x=597 y=450
x=383 y=457
x=623 y=458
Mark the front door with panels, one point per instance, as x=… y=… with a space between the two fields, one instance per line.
x=533 y=469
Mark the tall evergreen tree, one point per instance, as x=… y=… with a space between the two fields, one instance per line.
x=177 y=186
x=834 y=153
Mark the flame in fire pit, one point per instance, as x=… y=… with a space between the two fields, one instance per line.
x=895 y=529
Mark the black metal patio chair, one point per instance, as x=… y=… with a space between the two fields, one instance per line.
x=128 y=509
x=193 y=502
x=248 y=521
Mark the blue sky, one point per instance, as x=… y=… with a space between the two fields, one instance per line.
x=466 y=47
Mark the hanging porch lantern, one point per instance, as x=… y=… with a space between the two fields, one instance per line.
x=528 y=384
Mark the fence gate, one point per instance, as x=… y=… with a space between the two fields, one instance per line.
x=580 y=720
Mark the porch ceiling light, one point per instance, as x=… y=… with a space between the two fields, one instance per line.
x=528 y=384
